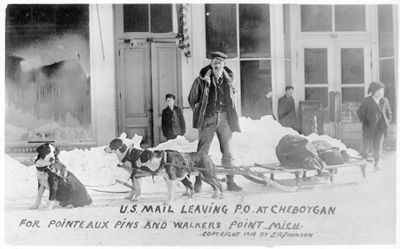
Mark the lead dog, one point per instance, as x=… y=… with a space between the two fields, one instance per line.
x=52 y=175
x=171 y=165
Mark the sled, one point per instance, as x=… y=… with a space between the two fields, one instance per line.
x=265 y=173
x=250 y=173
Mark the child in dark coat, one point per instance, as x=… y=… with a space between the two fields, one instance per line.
x=172 y=120
x=375 y=115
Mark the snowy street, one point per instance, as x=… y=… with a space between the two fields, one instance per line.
x=351 y=211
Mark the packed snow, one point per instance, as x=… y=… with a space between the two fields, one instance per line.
x=365 y=210
x=94 y=167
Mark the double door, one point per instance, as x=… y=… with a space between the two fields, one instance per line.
x=340 y=66
x=147 y=71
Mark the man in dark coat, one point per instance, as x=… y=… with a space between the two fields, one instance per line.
x=172 y=120
x=213 y=103
x=286 y=109
x=375 y=115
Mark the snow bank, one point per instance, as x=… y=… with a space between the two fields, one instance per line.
x=93 y=167
x=255 y=144
x=20 y=180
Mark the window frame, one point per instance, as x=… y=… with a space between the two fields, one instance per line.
x=119 y=26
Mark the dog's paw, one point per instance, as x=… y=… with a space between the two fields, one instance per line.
x=136 y=199
x=218 y=196
x=34 y=207
x=49 y=206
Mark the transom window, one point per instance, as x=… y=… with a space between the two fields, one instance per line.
x=331 y=18
x=154 y=18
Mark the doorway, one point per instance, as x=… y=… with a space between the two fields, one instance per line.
x=147 y=68
x=147 y=71
x=341 y=66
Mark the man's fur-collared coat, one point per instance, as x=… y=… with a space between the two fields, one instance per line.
x=198 y=97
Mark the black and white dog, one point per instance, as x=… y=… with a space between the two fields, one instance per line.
x=62 y=184
x=171 y=165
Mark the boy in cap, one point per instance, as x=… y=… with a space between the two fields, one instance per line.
x=375 y=115
x=213 y=103
x=286 y=109
x=172 y=120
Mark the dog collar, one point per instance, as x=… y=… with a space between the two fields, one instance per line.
x=42 y=169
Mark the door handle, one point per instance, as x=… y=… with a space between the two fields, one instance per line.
x=150 y=110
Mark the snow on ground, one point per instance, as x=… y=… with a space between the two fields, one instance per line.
x=365 y=210
x=365 y=214
x=255 y=144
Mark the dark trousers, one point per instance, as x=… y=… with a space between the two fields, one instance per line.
x=372 y=144
x=217 y=123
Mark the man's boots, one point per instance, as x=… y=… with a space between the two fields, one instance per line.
x=232 y=186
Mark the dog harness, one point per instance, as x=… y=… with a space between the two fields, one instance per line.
x=52 y=168
x=143 y=169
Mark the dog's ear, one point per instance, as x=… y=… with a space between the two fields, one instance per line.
x=41 y=150
x=115 y=144
x=37 y=158
x=123 y=148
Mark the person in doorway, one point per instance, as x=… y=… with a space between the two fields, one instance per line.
x=375 y=115
x=212 y=100
x=263 y=106
x=286 y=109
x=172 y=120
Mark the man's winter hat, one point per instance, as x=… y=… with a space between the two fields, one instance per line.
x=218 y=55
x=375 y=86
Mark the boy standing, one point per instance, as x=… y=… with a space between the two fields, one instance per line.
x=375 y=115
x=172 y=120
x=286 y=109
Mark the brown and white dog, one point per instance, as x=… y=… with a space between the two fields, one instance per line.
x=62 y=184
x=171 y=165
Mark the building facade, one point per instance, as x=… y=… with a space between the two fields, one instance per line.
x=125 y=58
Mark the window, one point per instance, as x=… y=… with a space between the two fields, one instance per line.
x=350 y=18
x=352 y=61
x=318 y=18
x=316 y=66
x=47 y=78
x=254 y=31
x=243 y=32
x=221 y=29
x=154 y=18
